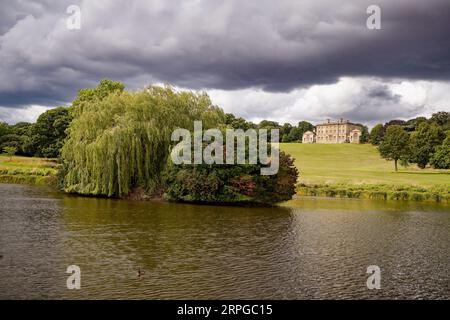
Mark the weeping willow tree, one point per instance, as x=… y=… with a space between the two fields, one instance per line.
x=122 y=141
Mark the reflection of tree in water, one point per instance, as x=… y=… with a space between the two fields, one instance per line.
x=183 y=249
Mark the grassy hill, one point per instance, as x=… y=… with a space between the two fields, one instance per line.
x=353 y=170
x=356 y=163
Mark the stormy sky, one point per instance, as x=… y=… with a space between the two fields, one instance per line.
x=284 y=60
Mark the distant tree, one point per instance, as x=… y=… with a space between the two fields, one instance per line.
x=295 y=135
x=395 y=122
x=103 y=89
x=412 y=124
x=377 y=134
x=47 y=135
x=21 y=128
x=304 y=126
x=364 y=138
x=13 y=140
x=424 y=142
x=238 y=123
x=285 y=129
x=441 y=118
x=395 y=145
x=267 y=124
x=10 y=151
x=441 y=158
x=4 y=128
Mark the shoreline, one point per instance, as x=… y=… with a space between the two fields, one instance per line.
x=436 y=194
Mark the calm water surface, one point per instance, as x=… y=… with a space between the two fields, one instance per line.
x=308 y=248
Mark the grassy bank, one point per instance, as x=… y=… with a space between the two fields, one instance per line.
x=27 y=170
x=357 y=171
x=330 y=170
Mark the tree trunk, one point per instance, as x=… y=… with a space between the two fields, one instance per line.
x=395 y=162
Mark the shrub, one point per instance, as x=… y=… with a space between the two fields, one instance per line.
x=231 y=183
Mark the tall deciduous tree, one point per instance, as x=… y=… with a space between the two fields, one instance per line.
x=395 y=145
x=46 y=136
x=304 y=126
x=424 y=142
x=441 y=158
x=123 y=140
x=376 y=134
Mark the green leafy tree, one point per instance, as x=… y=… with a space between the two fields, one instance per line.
x=88 y=95
x=238 y=123
x=13 y=140
x=441 y=158
x=267 y=124
x=232 y=183
x=122 y=142
x=21 y=128
x=395 y=145
x=47 y=135
x=4 y=129
x=364 y=138
x=304 y=126
x=10 y=151
x=285 y=129
x=376 y=134
x=441 y=118
x=424 y=142
x=412 y=124
x=395 y=122
x=295 y=135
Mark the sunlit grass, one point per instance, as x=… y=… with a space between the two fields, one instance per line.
x=27 y=170
x=356 y=164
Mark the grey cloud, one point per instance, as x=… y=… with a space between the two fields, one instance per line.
x=275 y=46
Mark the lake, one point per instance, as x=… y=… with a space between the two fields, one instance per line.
x=309 y=248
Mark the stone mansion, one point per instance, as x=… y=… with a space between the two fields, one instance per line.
x=341 y=131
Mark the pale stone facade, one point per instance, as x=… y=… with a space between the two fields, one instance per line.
x=309 y=137
x=334 y=132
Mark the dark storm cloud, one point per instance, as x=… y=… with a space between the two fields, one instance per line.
x=275 y=46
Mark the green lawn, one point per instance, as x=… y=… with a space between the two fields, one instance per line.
x=27 y=170
x=356 y=164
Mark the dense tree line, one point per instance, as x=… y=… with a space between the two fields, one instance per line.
x=118 y=145
x=418 y=141
x=288 y=132
x=44 y=138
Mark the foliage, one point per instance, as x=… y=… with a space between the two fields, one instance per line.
x=424 y=142
x=10 y=151
x=441 y=158
x=238 y=123
x=395 y=145
x=441 y=118
x=122 y=141
x=364 y=138
x=376 y=134
x=412 y=124
x=47 y=135
x=4 y=129
x=377 y=191
x=13 y=140
x=88 y=95
x=232 y=183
